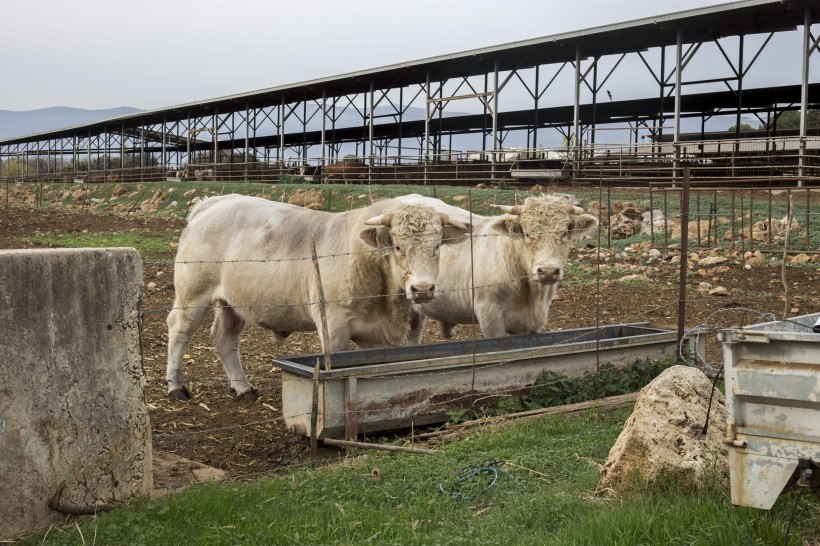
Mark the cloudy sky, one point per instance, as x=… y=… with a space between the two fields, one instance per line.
x=157 y=53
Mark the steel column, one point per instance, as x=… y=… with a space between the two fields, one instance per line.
x=495 y=114
x=804 y=93
x=678 y=70
x=576 y=123
x=324 y=123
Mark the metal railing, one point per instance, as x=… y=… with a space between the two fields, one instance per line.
x=767 y=161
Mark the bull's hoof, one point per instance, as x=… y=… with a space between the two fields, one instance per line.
x=248 y=396
x=181 y=393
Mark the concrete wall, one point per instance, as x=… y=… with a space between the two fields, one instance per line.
x=72 y=405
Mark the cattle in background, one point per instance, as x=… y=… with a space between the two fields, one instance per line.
x=205 y=175
x=519 y=259
x=349 y=170
x=250 y=259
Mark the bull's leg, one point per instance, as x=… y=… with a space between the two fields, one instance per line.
x=416 y=328
x=225 y=331
x=338 y=333
x=183 y=320
x=491 y=321
x=447 y=329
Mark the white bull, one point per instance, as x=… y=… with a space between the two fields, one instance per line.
x=518 y=260
x=250 y=259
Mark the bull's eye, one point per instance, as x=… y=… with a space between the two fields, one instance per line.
x=397 y=249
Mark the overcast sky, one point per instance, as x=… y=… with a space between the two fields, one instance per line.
x=157 y=53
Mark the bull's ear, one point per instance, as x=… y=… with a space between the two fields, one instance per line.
x=582 y=225
x=377 y=237
x=454 y=234
x=507 y=224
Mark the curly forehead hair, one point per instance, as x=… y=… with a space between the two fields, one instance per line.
x=412 y=220
x=545 y=213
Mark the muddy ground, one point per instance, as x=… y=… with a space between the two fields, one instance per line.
x=250 y=439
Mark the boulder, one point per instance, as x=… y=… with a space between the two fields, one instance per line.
x=713 y=260
x=311 y=199
x=652 y=222
x=119 y=190
x=719 y=291
x=664 y=432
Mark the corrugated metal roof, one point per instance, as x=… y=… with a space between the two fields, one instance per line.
x=743 y=17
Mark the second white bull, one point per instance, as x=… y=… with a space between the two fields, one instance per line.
x=517 y=260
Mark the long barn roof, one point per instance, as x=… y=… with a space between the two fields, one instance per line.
x=743 y=17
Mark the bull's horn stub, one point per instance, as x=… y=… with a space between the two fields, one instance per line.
x=509 y=209
x=381 y=220
x=447 y=221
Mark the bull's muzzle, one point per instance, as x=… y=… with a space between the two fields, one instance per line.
x=420 y=293
x=548 y=274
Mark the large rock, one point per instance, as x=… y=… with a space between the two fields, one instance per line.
x=664 y=432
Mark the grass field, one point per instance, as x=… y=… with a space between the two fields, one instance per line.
x=549 y=496
x=544 y=492
x=720 y=212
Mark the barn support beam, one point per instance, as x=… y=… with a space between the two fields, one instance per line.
x=678 y=71
x=807 y=48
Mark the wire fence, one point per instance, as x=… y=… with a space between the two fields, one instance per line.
x=740 y=315
x=721 y=218
x=469 y=397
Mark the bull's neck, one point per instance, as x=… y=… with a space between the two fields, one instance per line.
x=372 y=276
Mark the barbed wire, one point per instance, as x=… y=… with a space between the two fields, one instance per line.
x=706 y=324
x=454 y=400
x=382 y=249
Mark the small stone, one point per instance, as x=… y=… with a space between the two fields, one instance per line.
x=712 y=260
x=634 y=278
x=719 y=291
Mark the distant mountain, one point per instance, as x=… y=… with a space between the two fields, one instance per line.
x=28 y=122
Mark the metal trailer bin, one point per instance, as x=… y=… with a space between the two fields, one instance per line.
x=773 y=402
x=382 y=389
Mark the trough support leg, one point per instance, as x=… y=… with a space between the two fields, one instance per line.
x=314 y=413
x=351 y=412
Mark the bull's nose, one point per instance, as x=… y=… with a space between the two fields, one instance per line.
x=548 y=273
x=422 y=292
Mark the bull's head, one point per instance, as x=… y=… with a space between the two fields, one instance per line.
x=545 y=225
x=413 y=235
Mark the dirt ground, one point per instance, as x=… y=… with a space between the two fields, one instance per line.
x=250 y=439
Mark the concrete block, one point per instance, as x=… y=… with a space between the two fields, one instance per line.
x=72 y=404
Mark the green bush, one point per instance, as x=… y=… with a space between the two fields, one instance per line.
x=554 y=389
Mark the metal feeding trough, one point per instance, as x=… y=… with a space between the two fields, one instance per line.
x=384 y=389
x=773 y=400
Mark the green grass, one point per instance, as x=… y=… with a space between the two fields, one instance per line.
x=549 y=499
x=337 y=197
x=340 y=197
x=149 y=246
